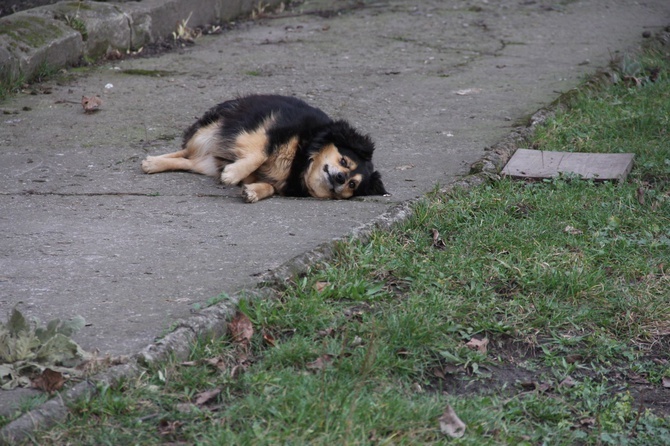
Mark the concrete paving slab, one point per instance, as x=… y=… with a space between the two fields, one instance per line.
x=539 y=164
x=434 y=83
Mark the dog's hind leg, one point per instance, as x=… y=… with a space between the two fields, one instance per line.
x=169 y=161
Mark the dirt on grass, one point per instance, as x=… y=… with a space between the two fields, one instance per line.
x=519 y=372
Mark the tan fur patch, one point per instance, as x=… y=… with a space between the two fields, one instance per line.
x=249 y=153
x=277 y=167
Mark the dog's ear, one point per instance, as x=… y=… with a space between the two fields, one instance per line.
x=373 y=186
x=376 y=185
x=342 y=134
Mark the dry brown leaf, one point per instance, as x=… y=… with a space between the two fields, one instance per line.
x=568 y=382
x=402 y=352
x=327 y=332
x=49 y=381
x=91 y=103
x=571 y=230
x=450 y=424
x=320 y=363
x=320 y=286
x=640 y=195
x=478 y=344
x=571 y=359
x=205 y=397
x=666 y=382
x=437 y=241
x=169 y=427
x=237 y=370
x=217 y=362
x=241 y=329
x=587 y=422
x=269 y=339
x=185 y=407
x=637 y=379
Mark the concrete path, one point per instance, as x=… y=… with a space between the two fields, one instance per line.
x=85 y=232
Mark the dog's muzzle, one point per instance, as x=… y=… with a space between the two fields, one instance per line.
x=336 y=180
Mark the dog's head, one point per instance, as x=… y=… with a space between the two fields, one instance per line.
x=341 y=164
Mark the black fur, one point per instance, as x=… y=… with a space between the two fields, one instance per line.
x=294 y=117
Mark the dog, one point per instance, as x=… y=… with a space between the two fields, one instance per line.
x=274 y=144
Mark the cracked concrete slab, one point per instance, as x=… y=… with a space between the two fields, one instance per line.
x=434 y=83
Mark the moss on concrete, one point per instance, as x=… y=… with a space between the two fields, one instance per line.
x=33 y=31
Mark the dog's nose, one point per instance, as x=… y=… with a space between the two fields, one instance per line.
x=340 y=178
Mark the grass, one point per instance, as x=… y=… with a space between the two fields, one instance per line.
x=567 y=280
x=11 y=85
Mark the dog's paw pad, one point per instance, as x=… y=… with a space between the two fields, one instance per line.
x=249 y=195
x=149 y=164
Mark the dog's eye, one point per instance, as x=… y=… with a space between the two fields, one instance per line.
x=352 y=184
x=343 y=162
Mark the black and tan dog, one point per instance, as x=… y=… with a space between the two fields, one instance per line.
x=276 y=145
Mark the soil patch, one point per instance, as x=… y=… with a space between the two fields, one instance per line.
x=519 y=371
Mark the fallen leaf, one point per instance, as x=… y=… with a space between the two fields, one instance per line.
x=241 y=329
x=91 y=103
x=204 y=397
x=640 y=195
x=269 y=339
x=404 y=167
x=567 y=382
x=238 y=369
x=320 y=286
x=666 y=382
x=571 y=359
x=571 y=230
x=437 y=241
x=169 y=427
x=402 y=352
x=478 y=344
x=49 y=381
x=587 y=422
x=185 y=407
x=320 y=363
x=528 y=385
x=450 y=424
x=217 y=362
x=327 y=332
x=637 y=379
x=114 y=54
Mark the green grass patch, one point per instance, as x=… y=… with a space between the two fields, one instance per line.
x=563 y=285
x=631 y=116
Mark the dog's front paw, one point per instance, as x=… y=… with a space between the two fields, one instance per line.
x=150 y=165
x=249 y=195
x=229 y=176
